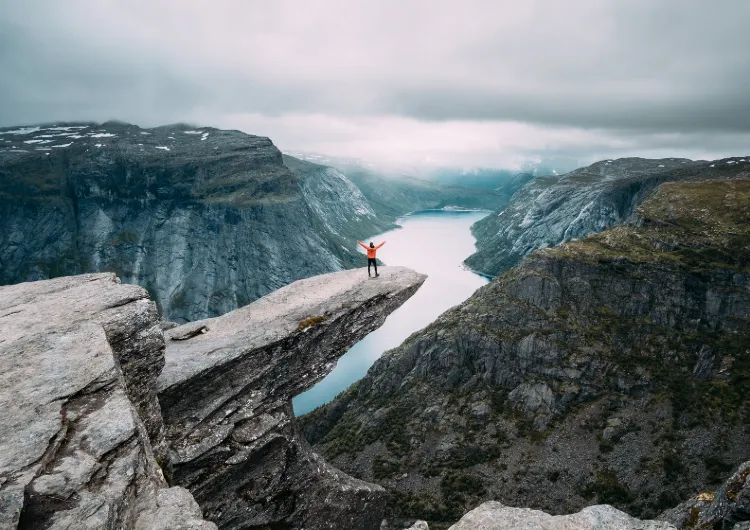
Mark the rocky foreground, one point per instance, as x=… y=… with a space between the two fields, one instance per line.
x=81 y=434
x=98 y=422
x=614 y=369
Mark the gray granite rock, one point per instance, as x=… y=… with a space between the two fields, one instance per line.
x=495 y=516
x=80 y=357
x=226 y=392
x=176 y=510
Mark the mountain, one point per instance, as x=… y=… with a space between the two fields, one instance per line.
x=614 y=369
x=394 y=192
x=395 y=195
x=207 y=220
x=502 y=179
x=551 y=209
x=491 y=179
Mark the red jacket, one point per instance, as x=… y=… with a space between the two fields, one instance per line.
x=371 y=251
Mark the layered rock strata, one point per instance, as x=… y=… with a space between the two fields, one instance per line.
x=82 y=437
x=226 y=391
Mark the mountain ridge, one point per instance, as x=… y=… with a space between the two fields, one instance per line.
x=552 y=209
x=610 y=370
x=206 y=220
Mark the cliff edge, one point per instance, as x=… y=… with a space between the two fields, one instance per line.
x=97 y=421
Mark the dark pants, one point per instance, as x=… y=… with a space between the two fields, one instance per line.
x=372 y=261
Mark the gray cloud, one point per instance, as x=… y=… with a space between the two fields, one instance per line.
x=588 y=76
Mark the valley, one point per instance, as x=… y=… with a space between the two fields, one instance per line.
x=605 y=363
x=433 y=242
x=206 y=220
x=557 y=198
x=610 y=369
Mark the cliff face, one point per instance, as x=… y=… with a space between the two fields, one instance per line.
x=552 y=209
x=85 y=443
x=336 y=201
x=80 y=421
x=613 y=369
x=226 y=395
x=205 y=220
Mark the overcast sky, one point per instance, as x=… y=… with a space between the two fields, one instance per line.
x=453 y=82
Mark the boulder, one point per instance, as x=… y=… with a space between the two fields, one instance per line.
x=496 y=516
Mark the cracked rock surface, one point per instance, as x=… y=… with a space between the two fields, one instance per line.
x=226 y=392
x=80 y=357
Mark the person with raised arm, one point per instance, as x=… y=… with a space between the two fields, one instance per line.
x=372 y=251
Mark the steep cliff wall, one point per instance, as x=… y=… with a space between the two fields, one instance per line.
x=613 y=369
x=205 y=220
x=552 y=209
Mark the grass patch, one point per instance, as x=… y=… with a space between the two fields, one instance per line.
x=310 y=322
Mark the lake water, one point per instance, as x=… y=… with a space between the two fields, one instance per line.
x=433 y=242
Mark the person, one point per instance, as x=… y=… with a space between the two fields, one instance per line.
x=371 y=253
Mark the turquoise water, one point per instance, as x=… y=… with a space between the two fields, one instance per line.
x=433 y=242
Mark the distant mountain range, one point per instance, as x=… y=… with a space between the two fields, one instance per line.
x=552 y=209
x=495 y=178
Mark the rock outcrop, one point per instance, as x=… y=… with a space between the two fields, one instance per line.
x=226 y=392
x=495 y=516
x=725 y=509
x=206 y=220
x=85 y=443
x=612 y=370
x=80 y=420
x=552 y=209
